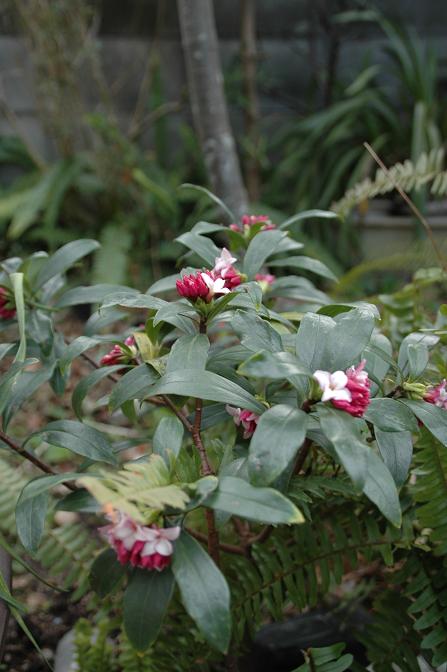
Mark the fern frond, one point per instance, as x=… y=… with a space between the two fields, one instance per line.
x=430 y=489
x=131 y=660
x=390 y=638
x=407 y=175
x=300 y=566
x=326 y=659
x=425 y=580
x=93 y=650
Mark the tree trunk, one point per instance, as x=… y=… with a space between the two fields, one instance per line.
x=208 y=104
x=5 y=569
x=249 y=59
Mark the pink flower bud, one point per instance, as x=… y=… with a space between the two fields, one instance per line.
x=247 y=419
x=7 y=309
x=192 y=287
x=437 y=395
x=265 y=279
x=119 y=355
x=247 y=221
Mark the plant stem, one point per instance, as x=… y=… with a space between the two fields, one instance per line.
x=32 y=458
x=304 y=451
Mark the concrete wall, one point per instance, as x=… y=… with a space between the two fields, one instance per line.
x=286 y=56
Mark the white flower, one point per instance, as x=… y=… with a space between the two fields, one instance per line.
x=333 y=385
x=158 y=540
x=215 y=286
x=125 y=530
x=223 y=263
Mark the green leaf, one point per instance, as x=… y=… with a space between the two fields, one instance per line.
x=309 y=214
x=168 y=438
x=17 y=286
x=204 y=591
x=415 y=338
x=9 y=378
x=264 y=505
x=76 y=348
x=396 y=449
x=255 y=333
x=417 y=359
x=188 y=352
x=299 y=289
x=32 y=505
x=263 y=245
x=212 y=197
x=433 y=417
x=273 y=365
x=280 y=432
x=380 y=488
x=131 y=299
x=206 y=385
x=79 y=439
x=106 y=572
x=200 y=245
x=91 y=294
x=25 y=385
x=313 y=341
x=145 y=603
x=390 y=415
x=63 y=259
x=85 y=384
x=350 y=337
x=343 y=432
x=307 y=264
x=135 y=384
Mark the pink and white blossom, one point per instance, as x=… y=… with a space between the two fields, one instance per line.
x=215 y=286
x=437 y=395
x=192 y=287
x=247 y=419
x=223 y=268
x=247 y=221
x=349 y=391
x=148 y=547
x=265 y=280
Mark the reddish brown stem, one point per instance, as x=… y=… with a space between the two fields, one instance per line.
x=226 y=548
x=302 y=455
x=32 y=458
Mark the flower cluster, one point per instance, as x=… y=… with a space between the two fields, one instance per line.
x=437 y=395
x=348 y=391
x=148 y=547
x=7 y=310
x=207 y=284
x=247 y=221
x=120 y=355
x=247 y=419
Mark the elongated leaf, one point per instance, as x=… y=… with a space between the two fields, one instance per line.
x=130 y=299
x=78 y=438
x=206 y=385
x=390 y=415
x=396 y=449
x=417 y=359
x=313 y=341
x=168 y=438
x=85 y=384
x=273 y=365
x=280 y=432
x=212 y=197
x=263 y=245
x=63 y=259
x=32 y=505
x=9 y=378
x=204 y=591
x=415 y=338
x=350 y=337
x=188 y=352
x=380 y=488
x=76 y=348
x=200 y=245
x=106 y=572
x=309 y=214
x=135 y=384
x=25 y=385
x=307 y=264
x=93 y=294
x=263 y=505
x=299 y=289
x=145 y=603
x=343 y=433
x=17 y=286
x=255 y=333
x=433 y=417
x=166 y=284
